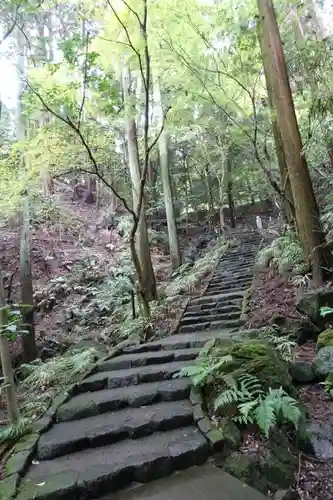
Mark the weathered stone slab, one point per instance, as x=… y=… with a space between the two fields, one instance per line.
x=108 y=428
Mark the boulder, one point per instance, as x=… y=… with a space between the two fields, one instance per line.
x=325 y=339
x=322 y=439
x=301 y=372
x=323 y=362
x=311 y=303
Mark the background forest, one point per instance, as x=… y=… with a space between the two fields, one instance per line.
x=135 y=135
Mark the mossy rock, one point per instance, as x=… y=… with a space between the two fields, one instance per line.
x=323 y=362
x=325 y=339
x=260 y=359
x=241 y=466
x=301 y=372
x=230 y=432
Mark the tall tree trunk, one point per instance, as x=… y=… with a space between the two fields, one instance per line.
x=6 y=362
x=147 y=279
x=28 y=338
x=163 y=144
x=210 y=198
x=288 y=201
x=306 y=209
x=231 y=202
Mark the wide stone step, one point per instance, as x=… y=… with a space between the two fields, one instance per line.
x=192 y=320
x=222 y=290
x=130 y=376
x=228 y=284
x=227 y=298
x=173 y=342
x=214 y=325
x=98 y=402
x=214 y=309
x=147 y=358
x=65 y=438
x=95 y=472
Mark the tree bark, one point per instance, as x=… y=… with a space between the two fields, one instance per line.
x=306 y=209
x=27 y=311
x=147 y=279
x=288 y=201
x=163 y=144
x=6 y=362
x=231 y=202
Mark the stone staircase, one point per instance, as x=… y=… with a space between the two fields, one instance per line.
x=131 y=421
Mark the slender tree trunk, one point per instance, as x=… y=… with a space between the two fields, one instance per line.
x=306 y=209
x=28 y=339
x=210 y=198
x=166 y=181
x=231 y=202
x=6 y=362
x=147 y=279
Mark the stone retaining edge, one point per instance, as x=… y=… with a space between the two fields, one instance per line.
x=208 y=429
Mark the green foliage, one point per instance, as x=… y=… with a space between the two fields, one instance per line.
x=325 y=311
x=284 y=254
x=43 y=380
x=188 y=278
x=13 y=432
x=204 y=371
x=284 y=344
x=256 y=406
x=328 y=385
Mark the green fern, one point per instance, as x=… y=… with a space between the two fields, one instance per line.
x=243 y=390
x=13 y=432
x=283 y=344
x=256 y=407
x=285 y=252
x=277 y=405
x=205 y=368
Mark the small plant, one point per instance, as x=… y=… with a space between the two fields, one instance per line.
x=328 y=385
x=284 y=253
x=256 y=407
x=204 y=371
x=283 y=344
x=325 y=311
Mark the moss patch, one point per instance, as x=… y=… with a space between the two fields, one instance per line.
x=325 y=339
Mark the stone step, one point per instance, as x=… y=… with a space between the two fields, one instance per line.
x=95 y=472
x=130 y=376
x=106 y=400
x=224 y=283
x=147 y=358
x=193 y=320
x=173 y=342
x=221 y=290
x=65 y=437
x=229 y=286
x=214 y=325
x=215 y=309
x=227 y=298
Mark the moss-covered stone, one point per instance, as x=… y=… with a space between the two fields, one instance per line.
x=241 y=466
x=231 y=434
x=325 y=339
x=8 y=487
x=260 y=359
x=61 y=485
x=323 y=362
x=301 y=372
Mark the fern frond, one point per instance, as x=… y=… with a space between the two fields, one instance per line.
x=227 y=397
x=265 y=415
x=15 y=431
x=285 y=406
